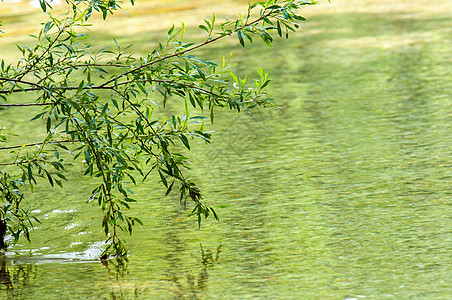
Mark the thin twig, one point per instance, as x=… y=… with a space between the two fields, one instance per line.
x=30 y=67
x=186 y=50
x=38 y=144
x=26 y=104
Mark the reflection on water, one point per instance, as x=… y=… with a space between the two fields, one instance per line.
x=192 y=282
x=19 y=277
x=15 y=282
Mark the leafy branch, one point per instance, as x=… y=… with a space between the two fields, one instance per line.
x=102 y=105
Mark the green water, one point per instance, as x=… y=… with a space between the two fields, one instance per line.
x=342 y=193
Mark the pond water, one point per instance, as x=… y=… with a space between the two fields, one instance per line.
x=342 y=193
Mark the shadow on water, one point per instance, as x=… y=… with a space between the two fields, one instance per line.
x=19 y=275
x=188 y=283
x=16 y=281
x=185 y=278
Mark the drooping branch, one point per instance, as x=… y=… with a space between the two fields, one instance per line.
x=118 y=142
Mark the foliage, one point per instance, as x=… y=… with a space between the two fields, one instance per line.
x=101 y=107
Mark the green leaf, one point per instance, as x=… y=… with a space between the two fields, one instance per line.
x=61 y=176
x=50 y=179
x=192 y=101
x=170 y=31
x=169 y=189
x=141 y=87
x=240 y=37
x=300 y=18
x=204 y=28
x=212 y=116
x=117 y=45
x=42 y=3
x=30 y=172
x=214 y=214
x=185 y=141
x=265 y=83
x=38 y=116
x=235 y=78
x=200 y=72
x=208 y=24
x=81 y=85
x=162 y=177
x=278 y=26
x=273 y=7
x=48 y=26
x=49 y=124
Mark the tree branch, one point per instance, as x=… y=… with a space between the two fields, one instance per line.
x=30 y=67
x=38 y=144
x=26 y=104
x=262 y=17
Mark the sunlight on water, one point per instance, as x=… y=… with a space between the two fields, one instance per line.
x=35 y=256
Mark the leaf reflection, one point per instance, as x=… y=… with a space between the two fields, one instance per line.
x=16 y=281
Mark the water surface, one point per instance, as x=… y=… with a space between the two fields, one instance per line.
x=342 y=193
